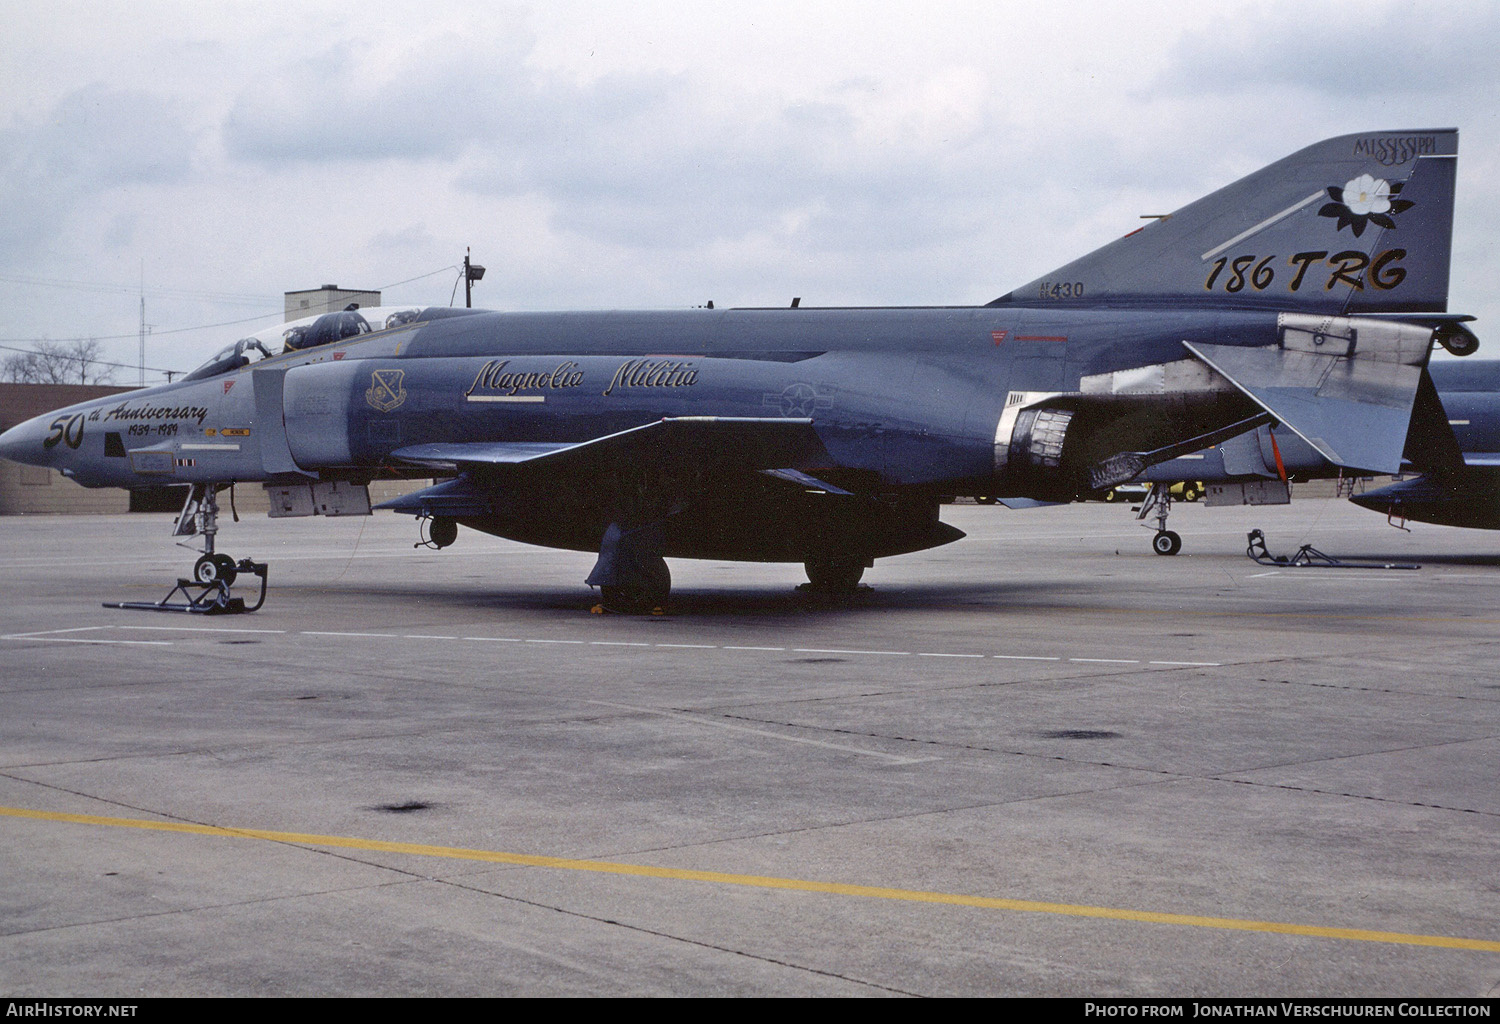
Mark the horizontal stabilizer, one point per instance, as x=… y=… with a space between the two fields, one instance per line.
x=747 y=443
x=1354 y=411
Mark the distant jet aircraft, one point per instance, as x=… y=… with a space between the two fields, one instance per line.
x=1459 y=481
x=1309 y=294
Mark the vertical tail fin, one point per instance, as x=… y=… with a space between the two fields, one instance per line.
x=1355 y=224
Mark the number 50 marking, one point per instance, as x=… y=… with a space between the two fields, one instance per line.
x=68 y=429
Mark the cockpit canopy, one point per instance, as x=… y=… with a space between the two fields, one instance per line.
x=232 y=357
x=300 y=335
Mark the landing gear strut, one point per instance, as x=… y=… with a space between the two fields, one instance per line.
x=207 y=591
x=1158 y=502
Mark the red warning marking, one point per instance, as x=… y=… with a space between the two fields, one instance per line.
x=1276 y=450
x=999 y=336
x=1041 y=337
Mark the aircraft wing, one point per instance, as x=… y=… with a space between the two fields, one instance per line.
x=742 y=443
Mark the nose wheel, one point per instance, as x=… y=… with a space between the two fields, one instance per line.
x=214 y=568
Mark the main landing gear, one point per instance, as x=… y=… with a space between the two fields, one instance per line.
x=207 y=591
x=834 y=576
x=631 y=574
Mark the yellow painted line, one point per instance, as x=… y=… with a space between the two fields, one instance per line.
x=767 y=881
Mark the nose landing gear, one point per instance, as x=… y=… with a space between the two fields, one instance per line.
x=207 y=591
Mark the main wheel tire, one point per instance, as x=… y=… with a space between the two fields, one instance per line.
x=834 y=575
x=642 y=595
x=1166 y=542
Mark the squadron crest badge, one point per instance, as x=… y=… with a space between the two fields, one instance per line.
x=386 y=390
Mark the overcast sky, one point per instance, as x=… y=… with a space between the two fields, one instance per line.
x=660 y=154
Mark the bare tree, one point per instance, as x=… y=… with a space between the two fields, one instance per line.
x=70 y=362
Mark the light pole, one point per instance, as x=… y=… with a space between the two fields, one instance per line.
x=472 y=272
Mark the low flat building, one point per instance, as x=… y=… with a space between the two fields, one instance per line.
x=37 y=489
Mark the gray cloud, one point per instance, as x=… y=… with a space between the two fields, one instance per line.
x=337 y=104
x=1354 y=54
x=93 y=140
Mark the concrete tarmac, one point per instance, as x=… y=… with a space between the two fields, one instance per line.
x=1041 y=761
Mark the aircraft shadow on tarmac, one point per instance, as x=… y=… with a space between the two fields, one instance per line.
x=737 y=602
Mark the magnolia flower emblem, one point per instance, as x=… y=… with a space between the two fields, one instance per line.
x=1364 y=200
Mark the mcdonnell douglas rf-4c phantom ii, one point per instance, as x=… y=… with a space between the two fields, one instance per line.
x=1309 y=294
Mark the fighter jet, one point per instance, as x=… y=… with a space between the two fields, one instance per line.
x=1459 y=470
x=1308 y=295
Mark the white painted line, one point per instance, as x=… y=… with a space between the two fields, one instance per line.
x=199 y=629
x=731 y=727
x=1343 y=577
x=46 y=635
x=76 y=640
x=821 y=650
x=1263 y=225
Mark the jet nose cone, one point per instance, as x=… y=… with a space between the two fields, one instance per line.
x=23 y=443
